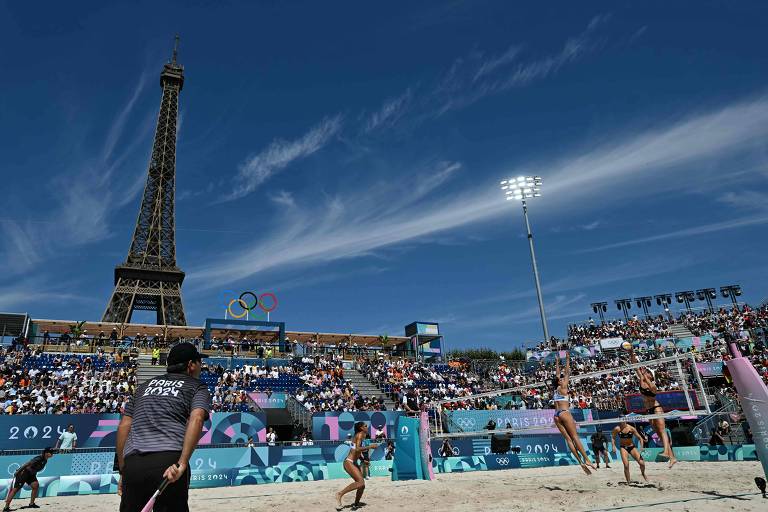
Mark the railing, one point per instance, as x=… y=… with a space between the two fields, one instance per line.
x=703 y=429
x=298 y=411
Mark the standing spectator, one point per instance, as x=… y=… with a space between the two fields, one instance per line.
x=155 y=356
x=159 y=431
x=249 y=443
x=271 y=436
x=27 y=474
x=67 y=439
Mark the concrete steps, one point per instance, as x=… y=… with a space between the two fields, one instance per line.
x=680 y=331
x=144 y=369
x=367 y=388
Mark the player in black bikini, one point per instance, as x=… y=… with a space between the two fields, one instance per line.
x=626 y=447
x=648 y=390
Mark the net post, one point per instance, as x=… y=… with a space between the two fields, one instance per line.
x=701 y=384
x=684 y=382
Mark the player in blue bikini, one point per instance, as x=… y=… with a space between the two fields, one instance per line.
x=351 y=467
x=564 y=419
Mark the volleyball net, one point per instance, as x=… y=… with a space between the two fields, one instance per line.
x=596 y=397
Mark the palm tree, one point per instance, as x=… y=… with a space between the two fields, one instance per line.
x=384 y=340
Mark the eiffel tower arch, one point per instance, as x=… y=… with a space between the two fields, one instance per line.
x=149 y=279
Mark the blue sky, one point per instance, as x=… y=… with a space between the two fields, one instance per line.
x=347 y=156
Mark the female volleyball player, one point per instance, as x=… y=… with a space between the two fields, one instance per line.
x=652 y=406
x=626 y=432
x=350 y=465
x=563 y=418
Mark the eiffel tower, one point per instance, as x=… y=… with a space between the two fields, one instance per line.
x=149 y=279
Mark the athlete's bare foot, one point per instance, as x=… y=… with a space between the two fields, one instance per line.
x=672 y=462
x=339 y=506
x=586 y=469
x=589 y=463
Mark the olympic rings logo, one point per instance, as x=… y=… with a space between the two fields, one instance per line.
x=249 y=301
x=502 y=461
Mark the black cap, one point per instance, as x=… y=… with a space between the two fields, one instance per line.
x=182 y=353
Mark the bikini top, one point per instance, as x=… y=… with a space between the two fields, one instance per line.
x=557 y=397
x=626 y=435
x=647 y=392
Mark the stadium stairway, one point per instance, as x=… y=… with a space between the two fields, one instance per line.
x=366 y=388
x=680 y=331
x=145 y=370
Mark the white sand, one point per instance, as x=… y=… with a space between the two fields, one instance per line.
x=699 y=486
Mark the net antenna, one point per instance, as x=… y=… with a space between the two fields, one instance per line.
x=444 y=426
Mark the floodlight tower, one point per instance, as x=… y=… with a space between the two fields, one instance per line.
x=521 y=189
x=731 y=291
x=707 y=294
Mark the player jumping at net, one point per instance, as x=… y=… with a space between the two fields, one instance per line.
x=563 y=417
x=652 y=406
x=351 y=467
x=626 y=447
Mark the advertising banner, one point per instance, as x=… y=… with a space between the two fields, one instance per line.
x=611 y=343
x=22 y=432
x=274 y=400
x=669 y=401
x=529 y=419
x=334 y=426
x=711 y=369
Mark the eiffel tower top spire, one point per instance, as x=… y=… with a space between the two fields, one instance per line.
x=175 y=49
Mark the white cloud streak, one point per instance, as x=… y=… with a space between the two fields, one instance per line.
x=82 y=201
x=727 y=225
x=258 y=168
x=473 y=78
x=389 y=113
x=374 y=217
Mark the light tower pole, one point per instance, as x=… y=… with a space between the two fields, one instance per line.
x=522 y=188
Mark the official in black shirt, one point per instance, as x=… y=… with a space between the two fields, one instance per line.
x=159 y=431
x=598 y=445
x=27 y=474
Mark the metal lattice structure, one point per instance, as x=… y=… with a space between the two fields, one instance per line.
x=149 y=278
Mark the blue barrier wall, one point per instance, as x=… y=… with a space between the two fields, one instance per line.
x=22 y=432
x=334 y=426
x=91 y=473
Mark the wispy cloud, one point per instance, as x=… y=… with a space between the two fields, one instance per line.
x=283 y=198
x=347 y=225
x=753 y=220
x=392 y=110
x=355 y=224
x=631 y=165
x=83 y=199
x=582 y=279
x=746 y=200
x=258 y=168
x=475 y=77
x=118 y=125
x=489 y=65
x=555 y=309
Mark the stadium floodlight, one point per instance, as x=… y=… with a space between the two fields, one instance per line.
x=664 y=300
x=624 y=305
x=731 y=291
x=685 y=297
x=600 y=308
x=645 y=303
x=521 y=188
x=707 y=294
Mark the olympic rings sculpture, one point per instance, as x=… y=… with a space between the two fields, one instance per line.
x=257 y=301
